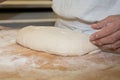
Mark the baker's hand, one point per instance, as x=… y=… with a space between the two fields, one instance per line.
x=108 y=38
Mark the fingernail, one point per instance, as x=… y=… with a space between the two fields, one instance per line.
x=99 y=27
x=94 y=24
x=94 y=42
x=93 y=37
x=96 y=36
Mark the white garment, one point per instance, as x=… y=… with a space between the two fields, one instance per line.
x=86 y=10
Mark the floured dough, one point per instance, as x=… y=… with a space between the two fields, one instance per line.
x=55 y=40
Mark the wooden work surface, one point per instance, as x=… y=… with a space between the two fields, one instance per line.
x=20 y=63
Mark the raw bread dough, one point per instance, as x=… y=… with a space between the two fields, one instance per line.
x=55 y=40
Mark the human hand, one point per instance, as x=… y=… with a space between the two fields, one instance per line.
x=108 y=38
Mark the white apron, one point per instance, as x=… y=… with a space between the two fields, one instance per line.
x=79 y=14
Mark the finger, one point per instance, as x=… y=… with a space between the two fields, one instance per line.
x=112 y=46
x=95 y=26
x=118 y=50
x=116 y=45
x=106 y=47
x=105 y=31
x=109 y=39
x=102 y=23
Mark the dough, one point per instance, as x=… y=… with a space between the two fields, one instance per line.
x=55 y=40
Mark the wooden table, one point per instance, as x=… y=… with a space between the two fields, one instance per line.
x=20 y=63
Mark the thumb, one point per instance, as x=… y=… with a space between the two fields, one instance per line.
x=96 y=26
